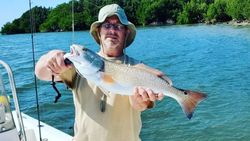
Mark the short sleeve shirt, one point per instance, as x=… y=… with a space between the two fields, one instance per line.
x=119 y=122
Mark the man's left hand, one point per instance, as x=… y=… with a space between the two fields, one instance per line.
x=144 y=98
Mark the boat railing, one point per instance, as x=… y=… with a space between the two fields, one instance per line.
x=6 y=107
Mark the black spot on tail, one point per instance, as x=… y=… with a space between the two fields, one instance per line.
x=189 y=116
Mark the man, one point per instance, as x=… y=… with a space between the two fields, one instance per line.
x=100 y=115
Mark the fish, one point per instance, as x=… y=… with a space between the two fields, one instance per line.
x=122 y=78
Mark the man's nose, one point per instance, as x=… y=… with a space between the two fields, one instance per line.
x=112 y=30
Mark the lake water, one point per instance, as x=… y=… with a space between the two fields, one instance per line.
x=214 y=59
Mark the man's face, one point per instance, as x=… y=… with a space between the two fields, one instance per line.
x=112 y=36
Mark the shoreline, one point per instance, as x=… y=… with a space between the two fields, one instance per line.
x=233 y=22
x=239 y=22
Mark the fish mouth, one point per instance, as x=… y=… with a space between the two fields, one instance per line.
x=74 y=52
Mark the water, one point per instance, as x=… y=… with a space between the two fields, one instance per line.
x=213 y=59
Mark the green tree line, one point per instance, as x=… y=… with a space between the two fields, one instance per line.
x=140 y=12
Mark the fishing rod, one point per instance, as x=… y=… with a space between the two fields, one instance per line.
x=33 y=60
x=32 y=27
x=53 y=83
x=73 y=22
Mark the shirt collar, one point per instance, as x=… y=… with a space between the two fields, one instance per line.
x=120 y=59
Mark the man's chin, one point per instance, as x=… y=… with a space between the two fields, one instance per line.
x=111 y=43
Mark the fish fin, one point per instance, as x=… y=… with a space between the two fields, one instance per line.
x=148 y=69
x=191 y=100
x=107 y=78
x=167 y=79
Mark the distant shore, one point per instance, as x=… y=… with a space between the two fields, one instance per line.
x=239 y=22
x=232 y=22
x=170 y=22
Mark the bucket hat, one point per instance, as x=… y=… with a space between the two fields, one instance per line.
x=111 y=10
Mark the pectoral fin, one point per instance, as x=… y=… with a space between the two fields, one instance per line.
x=107 y=78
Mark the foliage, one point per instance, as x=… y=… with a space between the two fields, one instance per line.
x=131 y=7
x=193 y=12
x=158 y=11
x=139 y=12
x=59 y=19
x=217 y=11
x=22 y=24
x=239 y=9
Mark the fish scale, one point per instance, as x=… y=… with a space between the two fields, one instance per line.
x=137 y=76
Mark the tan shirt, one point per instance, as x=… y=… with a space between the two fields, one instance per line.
x=119 y=122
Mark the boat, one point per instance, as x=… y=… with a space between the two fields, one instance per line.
x=18 y=126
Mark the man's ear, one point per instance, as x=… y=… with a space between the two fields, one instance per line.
x=98 y=33
x=127 y=32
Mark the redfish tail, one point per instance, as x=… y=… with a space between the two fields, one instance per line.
x=190 y=101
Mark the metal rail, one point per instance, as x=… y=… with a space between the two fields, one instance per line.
x=15 y=98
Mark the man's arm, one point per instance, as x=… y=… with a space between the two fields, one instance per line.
x=50 y=64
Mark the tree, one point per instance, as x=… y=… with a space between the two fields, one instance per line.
x=59 y=19
x=22 y=24
x=139 y=12
x=130 y=8
x=142 y=12
x=246 y=10
x=238 y=9
x=193 y=12
x=217 y=11
x=158 y=11
x=9 y=28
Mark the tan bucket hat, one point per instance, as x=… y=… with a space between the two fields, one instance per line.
x=110 y=10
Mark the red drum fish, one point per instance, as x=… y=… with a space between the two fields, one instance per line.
x=122 y=79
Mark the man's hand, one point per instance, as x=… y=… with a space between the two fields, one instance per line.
x=50 y=64
x=55 y=62
x=144 y=98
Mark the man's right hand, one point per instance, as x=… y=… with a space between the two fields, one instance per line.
x=50 y=64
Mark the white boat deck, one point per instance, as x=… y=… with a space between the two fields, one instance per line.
x=48 y=133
